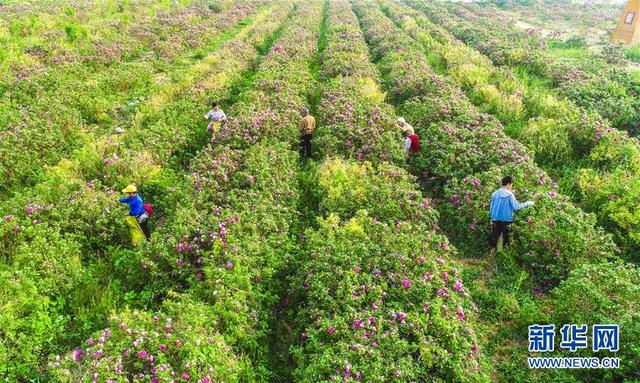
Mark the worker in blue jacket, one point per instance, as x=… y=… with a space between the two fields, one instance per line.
x=138 y=216
x=503 y=204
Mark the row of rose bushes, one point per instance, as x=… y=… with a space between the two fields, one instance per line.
x=63 y=106
x=498 y=91
x=529 y=113
x=47 y=33
x=379 y=297
x=494 y=90
x=563 y=137
x=539 y=103
x=556 y=242
x=465 y=153
x=73 y=218
x=600 y=16
x=224 y=247
x=137 y=155
x=594 y=83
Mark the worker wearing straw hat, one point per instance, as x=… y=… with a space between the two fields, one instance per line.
x=406 y=128
x=411 y=139
x=138 y=217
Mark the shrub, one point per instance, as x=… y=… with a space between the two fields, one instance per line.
x=553 y=239
x=424 y=110
x=576 y=42
x=549 y=141
x=615 y=150
x=378 y=299
x=355 y=122
x=633 y=53
x=31 y=324
x=605 y=293
x=473 y=143
x=490 y=100
x=178 y=342
x=614 y=198
x=387 y=192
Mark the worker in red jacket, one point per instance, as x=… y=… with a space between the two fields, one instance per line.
x=411 y=142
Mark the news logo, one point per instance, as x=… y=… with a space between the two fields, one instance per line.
x=606 y=337
x=573 y=338
x=541 y=338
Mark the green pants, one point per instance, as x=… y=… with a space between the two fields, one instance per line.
x=137 y=235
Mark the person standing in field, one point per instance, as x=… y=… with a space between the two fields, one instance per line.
x=217 y=117
x=503 y=204
x=411 y=139
x=411 y=142
x=306 y=127
x=137 y=220
x=404 y=126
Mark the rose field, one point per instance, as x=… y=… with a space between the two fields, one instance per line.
x=365 y=262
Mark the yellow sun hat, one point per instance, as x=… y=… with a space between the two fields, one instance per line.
x=130 y=189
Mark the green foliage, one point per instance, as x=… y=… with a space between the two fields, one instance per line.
x=180 y=339
x=214 y=7
x=74 y=32
x=30 y=323
x=550 y=144
x=4 y=54
x=377 y=296
x=633 y=53
x=615 y=199
x=604 y=294
x=571 y=42
x=388 y=192
x=576 y=42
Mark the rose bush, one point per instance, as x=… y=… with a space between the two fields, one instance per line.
x=567 y=136
x=383 y=303
x=356 y=122
x=363 y=279
x=179 y=342
x=389 y=192
x=467 y=155
x=602 y=294
x=461 y=146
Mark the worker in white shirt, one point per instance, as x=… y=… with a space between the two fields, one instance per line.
x=217 y=117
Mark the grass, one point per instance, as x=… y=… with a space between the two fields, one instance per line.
x=282 y=334
x=633 y=53
x=247 y=79
x=569 y=53
x=533 y=82
x=572 y=48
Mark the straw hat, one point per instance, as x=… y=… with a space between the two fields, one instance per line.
x=130 y=189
